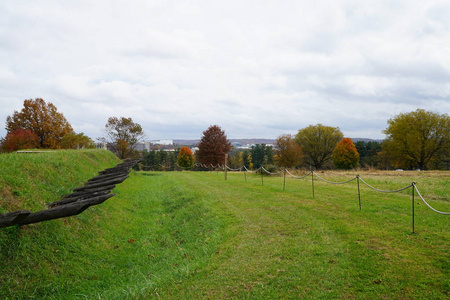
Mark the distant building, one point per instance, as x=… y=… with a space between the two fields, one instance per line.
x=101 y=146
x=141 y=146
x=162 y=142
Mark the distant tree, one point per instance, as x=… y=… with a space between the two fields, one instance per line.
x=262 y=155
x=43 y=119
x=150 y=161
x=236 y=159
x=345 y=155
x=159 y=160
x=20 y=139
x=240 y=158
x=368 y=153
x=247 y=159
x=288 y=152
x=164 y=160
x=318 y=142
x=171 y=160
x=185 y=157
x=122 y=135
x=76 y=141
x=417 y=139
x=213 y=146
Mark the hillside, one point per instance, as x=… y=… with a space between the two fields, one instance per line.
x=29 y=180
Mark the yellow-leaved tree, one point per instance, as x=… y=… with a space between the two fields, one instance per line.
x=419 y=139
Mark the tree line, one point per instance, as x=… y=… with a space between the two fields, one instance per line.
x=414 y=140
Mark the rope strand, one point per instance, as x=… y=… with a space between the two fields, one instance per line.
x=435 y=210
x=383 y=191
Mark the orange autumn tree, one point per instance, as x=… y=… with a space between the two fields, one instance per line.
x=345 y=155
x=20 y=139
x=185 y=158
x=43 y=119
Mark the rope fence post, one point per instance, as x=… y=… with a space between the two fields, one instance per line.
x=284 y=179
x=262 y=176
x=413 y=188
x=312 y=181
x=359 y=193
x=245 y=175
x=225 y=166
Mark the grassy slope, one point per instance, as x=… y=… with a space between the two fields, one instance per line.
x=194 y=235
x=28 y=181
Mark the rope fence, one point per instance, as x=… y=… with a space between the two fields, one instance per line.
x=261 y=170
x=358 y=178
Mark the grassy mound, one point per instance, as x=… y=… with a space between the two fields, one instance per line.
x=29 y=180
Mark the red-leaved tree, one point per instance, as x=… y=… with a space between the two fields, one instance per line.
x=213 y=146
x=345 y=155
x=20 y=139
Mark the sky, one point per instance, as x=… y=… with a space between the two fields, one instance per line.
x=258 y=69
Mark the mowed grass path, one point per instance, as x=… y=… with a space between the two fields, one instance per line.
x=193 y=235
x=285 y=244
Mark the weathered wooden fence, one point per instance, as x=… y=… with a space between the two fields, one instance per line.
x=96 y=191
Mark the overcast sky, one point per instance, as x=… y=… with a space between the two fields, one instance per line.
x=258 y=69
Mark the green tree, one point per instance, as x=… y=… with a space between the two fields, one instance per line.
x=262 y=155
x=368 y=153
x=159 y=160
x=163 y=159
x=185 y=157
x=122 y=136
x=288 y=152
x=213 y=146
x=77 y=141
x=418 y=139
x=345 y=155
x=318 y=142
x=150 y=161
x=43 y=119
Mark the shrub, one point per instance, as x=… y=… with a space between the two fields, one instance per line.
x=20 y=139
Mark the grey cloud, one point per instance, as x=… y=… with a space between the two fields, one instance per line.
x=256 y=69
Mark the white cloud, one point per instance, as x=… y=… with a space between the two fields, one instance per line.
x=258 y=69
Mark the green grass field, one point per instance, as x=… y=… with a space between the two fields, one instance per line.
x=193 y=235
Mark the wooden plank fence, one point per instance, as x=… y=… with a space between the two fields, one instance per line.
x=95 y=191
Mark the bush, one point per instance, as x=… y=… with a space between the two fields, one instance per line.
x=20 y=139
